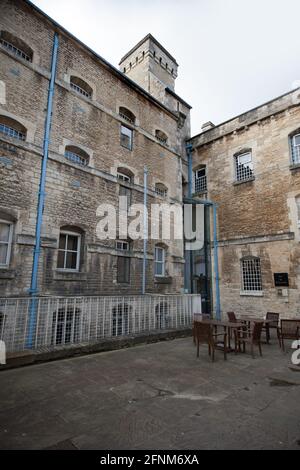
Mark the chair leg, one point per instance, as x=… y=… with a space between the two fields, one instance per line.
x=282 y=343
x=198 y=347
x=213 y=353
x=259 y=347
x=252 y=350
x=209 y=350
x=278 y=336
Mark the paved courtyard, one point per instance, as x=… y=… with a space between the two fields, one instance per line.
x=156 y=396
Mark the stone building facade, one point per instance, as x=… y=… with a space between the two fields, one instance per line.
x=250 y=166
x=107 y=125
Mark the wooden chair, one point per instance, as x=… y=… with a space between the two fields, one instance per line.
x=290 y=329
x=274 y=325
x=199 y=317
x=205 y=335
x=252 y=337
x=231 y=317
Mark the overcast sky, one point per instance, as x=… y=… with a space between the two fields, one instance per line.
x=233 y=54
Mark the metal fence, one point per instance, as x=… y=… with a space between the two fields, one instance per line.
x=63 y=321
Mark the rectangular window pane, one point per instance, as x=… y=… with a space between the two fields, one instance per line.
x=251 y=275
x=71 y=262
x=126 y=137
x=61 y=260
x=3 y=254
x=297 y=139
x=158 y=269
x=72 y=243
x=62 y=241
x=4 y=232
x=159 y=254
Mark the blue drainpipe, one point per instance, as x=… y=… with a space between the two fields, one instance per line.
x=41 y=199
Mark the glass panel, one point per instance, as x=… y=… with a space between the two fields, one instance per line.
x=3 y=254
x=71 y=262
x=72 y=243
x=4 y=232
x=247 y=158
x=126 y=137
x=61 y=260
x=297 y=139
x=62 y=241
x=159 y=269
x=159 y=254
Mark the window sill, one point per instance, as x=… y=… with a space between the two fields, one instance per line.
x=163 y=280
x=62 y=275
x=295 y=166
x=6 y=273
x=251 y=294
x=250 y=180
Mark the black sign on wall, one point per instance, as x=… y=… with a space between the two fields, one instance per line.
x=281 y=279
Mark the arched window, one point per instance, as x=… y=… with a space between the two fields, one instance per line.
x=66 y=325
x=162 y=313
x=69 y=248
x=81 y=87
x=200 y=179
x=12 y=128
x=77 y=155
x=295 y=146
x=161 y=190
x=123 y=174
x=251 y=274
x=127 y=115
x=243 y=165
x=161 y=136
x=16 y=45
x=120 y=323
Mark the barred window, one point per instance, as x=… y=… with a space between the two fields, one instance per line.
x=244 y=166
x=251 y=272
x=81 y=87
x=127 y=115
x=161 y=137
x=161 y=190
x=295 y=146
x=200 y=180
x=11 y=128
x=76 y=155
x=16 y=46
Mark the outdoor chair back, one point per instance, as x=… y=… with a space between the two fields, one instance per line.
x=231 y=317
x=256 y=332
x=290 y=329
x=273 y=316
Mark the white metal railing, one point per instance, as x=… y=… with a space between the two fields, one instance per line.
x=64 y=321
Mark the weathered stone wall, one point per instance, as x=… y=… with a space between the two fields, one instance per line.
x=258 y=217
x=73 y=193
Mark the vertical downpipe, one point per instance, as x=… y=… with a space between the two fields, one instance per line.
x=145 y=229
x=41 y=199
x=216 y=265
x=189 y=149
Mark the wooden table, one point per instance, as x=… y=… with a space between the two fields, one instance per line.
x=228 y=326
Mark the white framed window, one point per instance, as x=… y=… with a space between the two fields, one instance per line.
x=200 y=180
x=76 y=155
x=123 y=177
x=251 y=275
x=12 y=128
x=160 y=261
x=122 y=245
x=126 y=137
x=244 y=166
x=6 y=231
x=69 y=251
x=295 y=143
